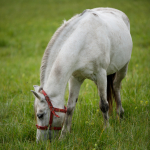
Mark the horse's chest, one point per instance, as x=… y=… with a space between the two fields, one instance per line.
x=85 y=73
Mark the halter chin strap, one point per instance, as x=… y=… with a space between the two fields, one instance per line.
x=52 y=111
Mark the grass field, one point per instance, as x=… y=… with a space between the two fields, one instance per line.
x=26 y=27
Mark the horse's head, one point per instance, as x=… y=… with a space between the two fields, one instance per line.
x=48 y=122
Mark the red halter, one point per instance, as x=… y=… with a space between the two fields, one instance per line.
x=52 y=110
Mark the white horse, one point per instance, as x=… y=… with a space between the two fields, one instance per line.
x=95 y=44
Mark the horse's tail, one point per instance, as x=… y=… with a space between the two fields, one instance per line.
x=110 y=90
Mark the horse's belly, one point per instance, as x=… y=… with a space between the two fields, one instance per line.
x=84 y=73
x=114 y=68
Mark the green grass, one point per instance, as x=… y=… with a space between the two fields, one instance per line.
x=26 y=27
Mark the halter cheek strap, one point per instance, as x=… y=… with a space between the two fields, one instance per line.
x=52 y=111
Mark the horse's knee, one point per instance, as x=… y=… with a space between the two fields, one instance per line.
x=70 y=111
x=104 y=106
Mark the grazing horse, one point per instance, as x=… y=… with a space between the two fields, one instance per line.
x=95 y=44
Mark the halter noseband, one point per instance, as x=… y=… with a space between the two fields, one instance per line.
x=52 y=111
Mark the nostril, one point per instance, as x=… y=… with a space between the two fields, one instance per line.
x=40 y=116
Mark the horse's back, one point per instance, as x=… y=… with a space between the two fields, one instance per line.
x=117 y=13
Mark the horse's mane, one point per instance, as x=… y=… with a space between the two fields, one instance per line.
x=49 y=46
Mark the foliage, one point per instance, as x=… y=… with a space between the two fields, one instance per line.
x=26 y=27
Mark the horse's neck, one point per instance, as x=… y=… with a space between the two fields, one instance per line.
x=59 y=39
x=55 y=88
x=56 y=75
x=61 y=71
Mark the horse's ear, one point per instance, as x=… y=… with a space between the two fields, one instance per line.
x=36 y=95
x=36 y=88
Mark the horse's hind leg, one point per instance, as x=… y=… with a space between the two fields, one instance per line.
x=74 y=87
x=102 y=88
x=117 y=85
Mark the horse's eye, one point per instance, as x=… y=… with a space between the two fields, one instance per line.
x=40 y=116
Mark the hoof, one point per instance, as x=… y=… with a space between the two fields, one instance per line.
x=120 y=113
x=60 y=138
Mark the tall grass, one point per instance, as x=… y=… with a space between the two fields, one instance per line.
x=25 y=29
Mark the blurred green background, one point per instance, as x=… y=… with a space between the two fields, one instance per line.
x=26 y=27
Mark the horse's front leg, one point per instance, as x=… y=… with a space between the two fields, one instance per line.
x=74 y=88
